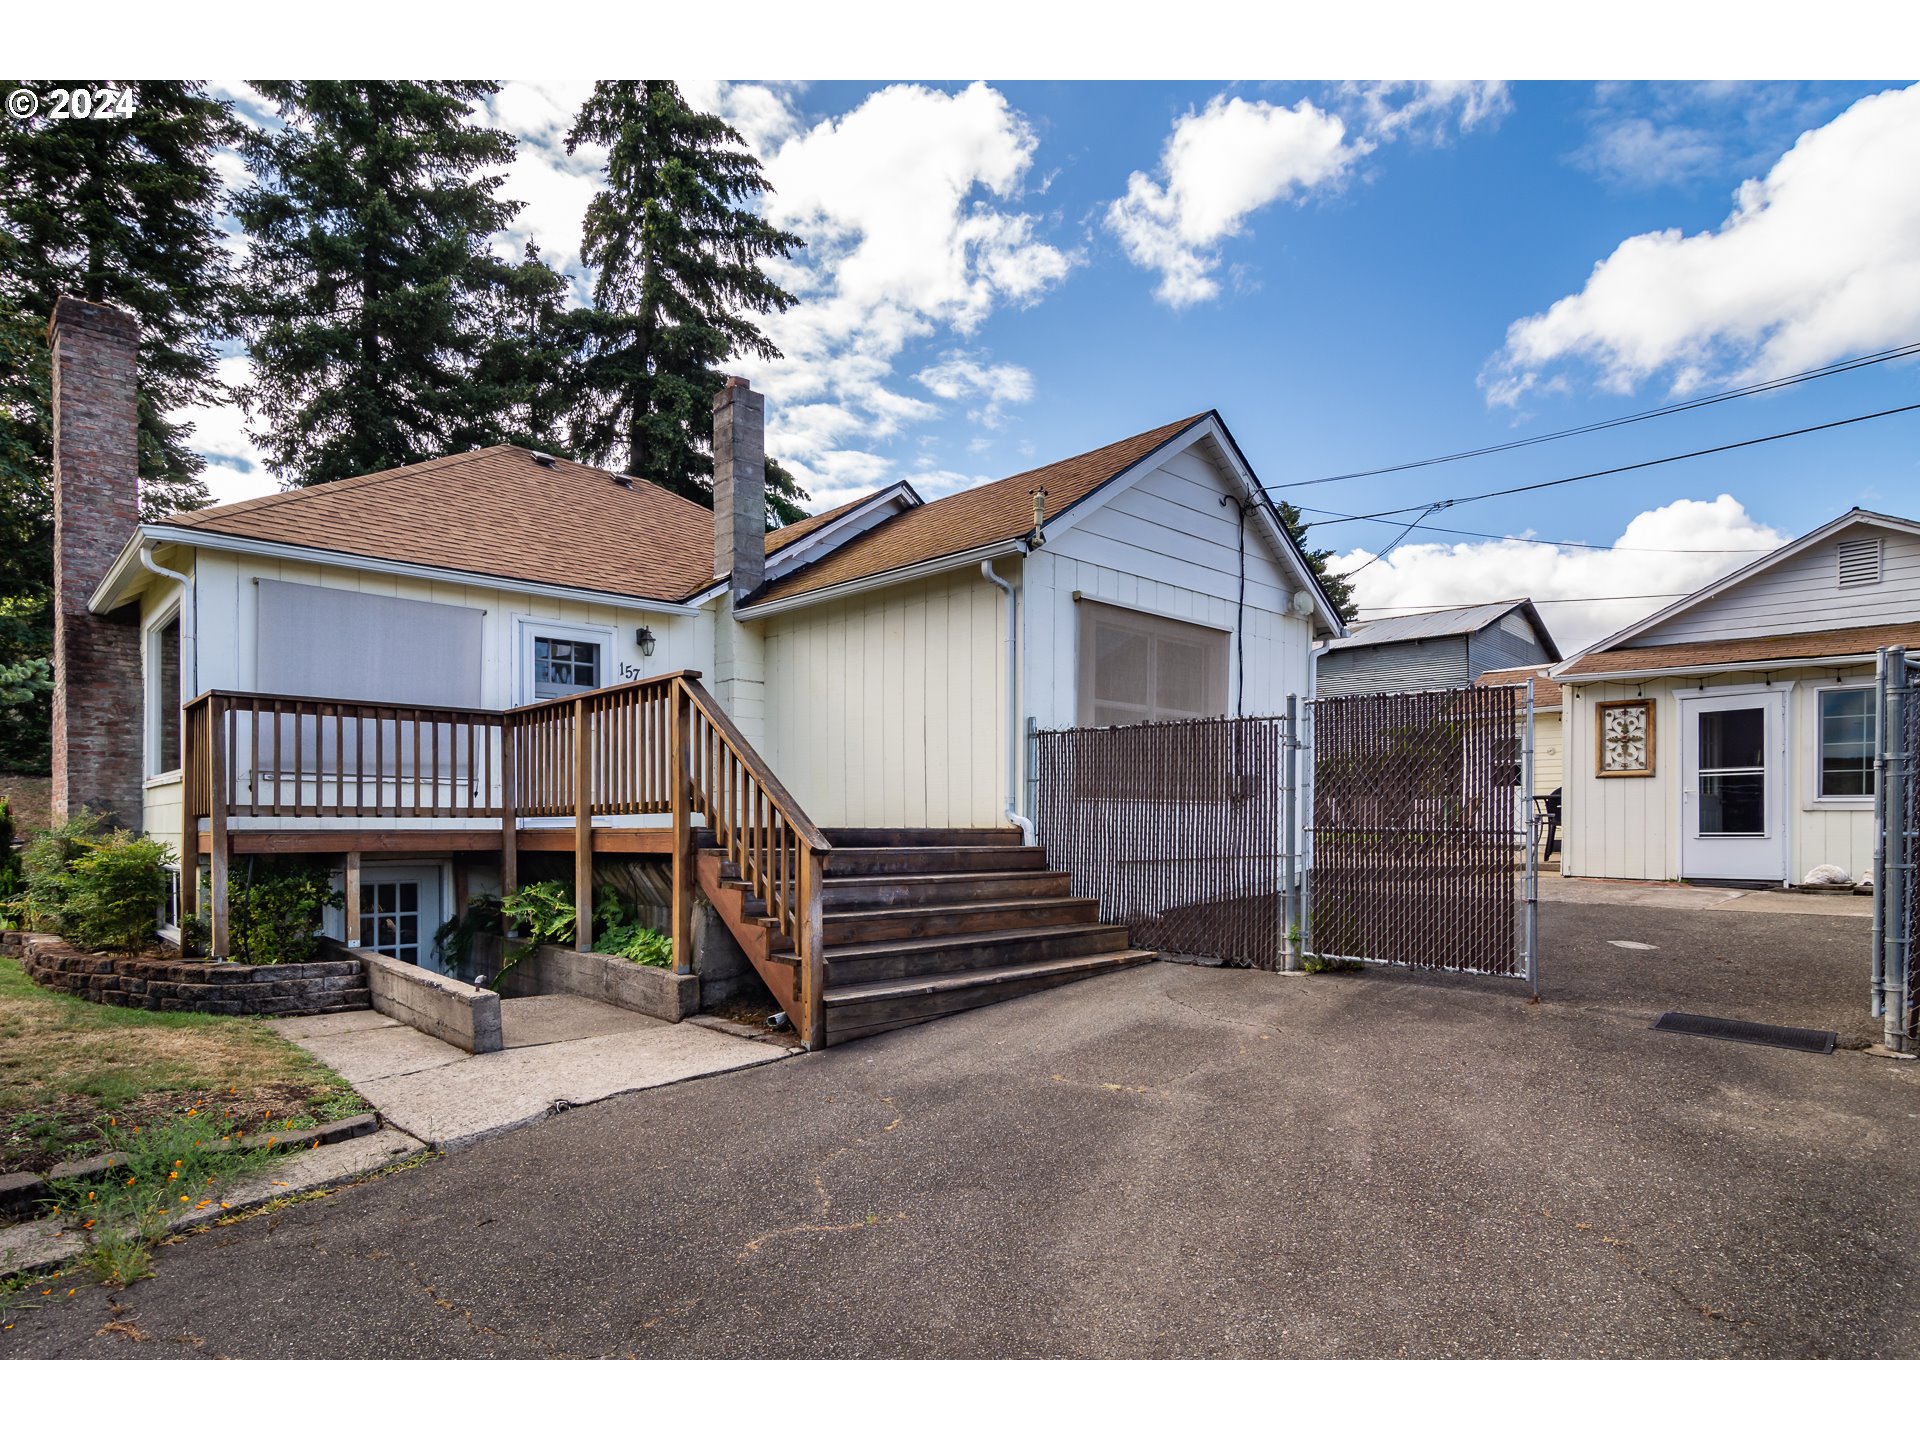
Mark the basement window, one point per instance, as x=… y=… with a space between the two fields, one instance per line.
x=1859 y=562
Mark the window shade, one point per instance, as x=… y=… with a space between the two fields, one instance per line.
x=1136 y=668
x=346 y=645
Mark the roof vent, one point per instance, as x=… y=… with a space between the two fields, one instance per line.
x=625 y=482
x=541 y=458
x=1860 y=561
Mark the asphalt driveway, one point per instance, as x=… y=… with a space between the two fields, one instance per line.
x=1170 y=1161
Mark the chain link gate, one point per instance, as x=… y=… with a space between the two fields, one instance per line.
x=1422 y=831
x=1179 y=829
x=1896 y=847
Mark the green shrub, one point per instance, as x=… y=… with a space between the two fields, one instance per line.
x=455 y=937
x=635 y=942
x=9 y=863
x=274 y=912
x=542 y=911
x=98 y=889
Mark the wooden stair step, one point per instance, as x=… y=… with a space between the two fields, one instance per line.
x=856 y=836
x=848 y=892
x=867 y=1009
x=953 y=954
x=966 y=917
x=932 y=859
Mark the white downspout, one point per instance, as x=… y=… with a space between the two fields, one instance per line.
x=1013 y=703
x=189 y=631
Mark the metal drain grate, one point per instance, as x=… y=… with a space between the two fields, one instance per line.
x=1786 y=1037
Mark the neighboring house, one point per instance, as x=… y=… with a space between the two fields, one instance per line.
x=1548 y=744
x=1434 y=650
x=881 y=662
x=1730 y=735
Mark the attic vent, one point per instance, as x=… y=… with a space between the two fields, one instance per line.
x=625 y=482
x=540 y=459
x=1859 y=562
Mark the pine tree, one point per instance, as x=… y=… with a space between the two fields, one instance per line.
x=678 y=256
x=121 y=209
x=1338 y=591
x=368 y=283
x=530 y=363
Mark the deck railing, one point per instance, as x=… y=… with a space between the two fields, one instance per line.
x=658 y=746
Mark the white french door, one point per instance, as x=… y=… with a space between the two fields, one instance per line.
x=1733 y=786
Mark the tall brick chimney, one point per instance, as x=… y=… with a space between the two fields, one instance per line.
x=740 y=486
x=97 y=698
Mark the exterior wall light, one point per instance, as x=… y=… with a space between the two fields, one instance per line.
x=645 y=639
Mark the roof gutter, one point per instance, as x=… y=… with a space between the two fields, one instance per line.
x=1739 y=667
x=276 y=550
x=961 y=560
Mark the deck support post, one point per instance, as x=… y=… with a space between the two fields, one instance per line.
x=219 y=840
x=509 y=826
x=582 y=826
x=681 y=781
x=351 y=884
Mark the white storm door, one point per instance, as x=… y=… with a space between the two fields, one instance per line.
x=1733 y=779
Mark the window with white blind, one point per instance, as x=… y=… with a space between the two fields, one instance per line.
x=1136 y=667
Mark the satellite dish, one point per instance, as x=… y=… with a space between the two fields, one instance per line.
x=1302 y=602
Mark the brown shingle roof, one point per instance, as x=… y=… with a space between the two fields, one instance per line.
x=494 y=512
x=1814 y=645
x=1000 y=511
x=778 y=540
x=1546 y=694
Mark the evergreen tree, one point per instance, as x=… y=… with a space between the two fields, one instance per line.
x=1338 y=591
x=368 y=286
x=530 y=363
x=678 y=257
x=125 y=210
x=121 y=209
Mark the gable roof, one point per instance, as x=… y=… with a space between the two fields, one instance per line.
x=988 y=514
x=1546 y=693
x=1747 y=572
x=1440 y=624
x=497 y=512
x=1855 y=643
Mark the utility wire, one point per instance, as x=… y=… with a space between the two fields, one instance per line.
x=1421 y=511
x=1838 y=367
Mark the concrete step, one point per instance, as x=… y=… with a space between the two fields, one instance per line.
x=951 y=954
x=854 y=1011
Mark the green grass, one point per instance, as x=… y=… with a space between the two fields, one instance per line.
x=72 y=1072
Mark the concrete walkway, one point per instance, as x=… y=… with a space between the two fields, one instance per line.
x=1662 y=895
x=561 y=1051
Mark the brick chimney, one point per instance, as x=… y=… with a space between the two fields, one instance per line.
x=740 y=486
x=97 y=697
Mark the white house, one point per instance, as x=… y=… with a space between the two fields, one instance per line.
x=1730 y=735
x=881 y=661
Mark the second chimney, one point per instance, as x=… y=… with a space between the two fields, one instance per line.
x=740 y=486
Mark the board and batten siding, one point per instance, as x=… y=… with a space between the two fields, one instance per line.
x=1549 y=753
x=1803 y=594
x=1168 y=547
x=1629 y=828
x=886 y=709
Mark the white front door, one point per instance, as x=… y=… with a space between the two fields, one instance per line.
x=1733 y=779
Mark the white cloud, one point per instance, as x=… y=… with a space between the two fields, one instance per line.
x=1818 y=260
x=910 y=207
x=1640 y=562
x=1636 y=151
x=1219 y=166
x=236 y=470
x=553 y=186
x=961 y=376
x=1428 y=110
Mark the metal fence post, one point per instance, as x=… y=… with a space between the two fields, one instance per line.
x=1531 y=936
x=1900 y=853
x=1881 y=741
x=1289 y=842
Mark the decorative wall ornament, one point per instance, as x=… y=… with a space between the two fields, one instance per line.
x=1623 y=734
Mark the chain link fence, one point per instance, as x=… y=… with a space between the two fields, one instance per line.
x=1896 y=851
x=1177 y=828
x=1421 y=853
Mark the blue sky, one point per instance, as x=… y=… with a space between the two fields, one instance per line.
x=1003 y=274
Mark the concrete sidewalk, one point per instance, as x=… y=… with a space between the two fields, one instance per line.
x=1664 y=895
x=561 y=1051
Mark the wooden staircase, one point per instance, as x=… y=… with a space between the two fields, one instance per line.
x=916 y=924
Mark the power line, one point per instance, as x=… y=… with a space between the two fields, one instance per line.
x=1564 y=600
x=1838 y=367
x=1617 y=469
x=1561 y=544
